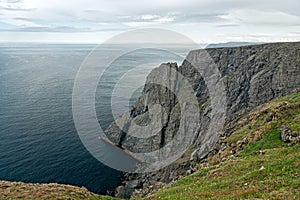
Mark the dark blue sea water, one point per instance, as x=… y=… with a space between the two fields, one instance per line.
x=38 y=139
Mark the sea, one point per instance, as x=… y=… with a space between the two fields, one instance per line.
x=39 y=142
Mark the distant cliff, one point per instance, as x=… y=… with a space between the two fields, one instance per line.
x=250 y=76
x=230 y=44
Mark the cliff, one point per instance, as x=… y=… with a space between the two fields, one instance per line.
x=226 y=82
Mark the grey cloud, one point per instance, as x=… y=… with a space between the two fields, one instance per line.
x=11 y=1
x=25 y=19
x=175 y=18
x=228 y=25
x=14 y=5
x=92 y=11
x=59 y=29
x=16 y=9
x=199 y=18
x=208 y=6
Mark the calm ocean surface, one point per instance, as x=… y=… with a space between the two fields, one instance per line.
x=38 y=139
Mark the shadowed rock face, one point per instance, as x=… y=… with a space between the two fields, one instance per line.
x=140 y=114
x=254 y=75
x=248 y=76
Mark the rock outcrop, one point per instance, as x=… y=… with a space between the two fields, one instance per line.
x=226 y=82
x=288 y=136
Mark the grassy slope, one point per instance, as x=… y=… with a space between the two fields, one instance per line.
x=263 y=167
x=19 y=190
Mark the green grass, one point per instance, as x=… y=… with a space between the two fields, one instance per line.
x=265 y=167
x=242 y=178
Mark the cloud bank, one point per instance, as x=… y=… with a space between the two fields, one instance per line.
x=194 y=17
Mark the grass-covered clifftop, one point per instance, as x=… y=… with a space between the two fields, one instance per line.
x=254 y=163
x=20 y=190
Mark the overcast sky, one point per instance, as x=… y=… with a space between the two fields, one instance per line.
x=94 y=21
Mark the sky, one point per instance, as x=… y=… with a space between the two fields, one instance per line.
x=95 y=21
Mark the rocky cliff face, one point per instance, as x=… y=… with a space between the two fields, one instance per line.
x=226 y=82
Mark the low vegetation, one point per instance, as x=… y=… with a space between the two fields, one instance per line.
x=19 y=190
x=255 y=163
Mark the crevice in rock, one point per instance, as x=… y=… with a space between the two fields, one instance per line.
x=123 y=134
